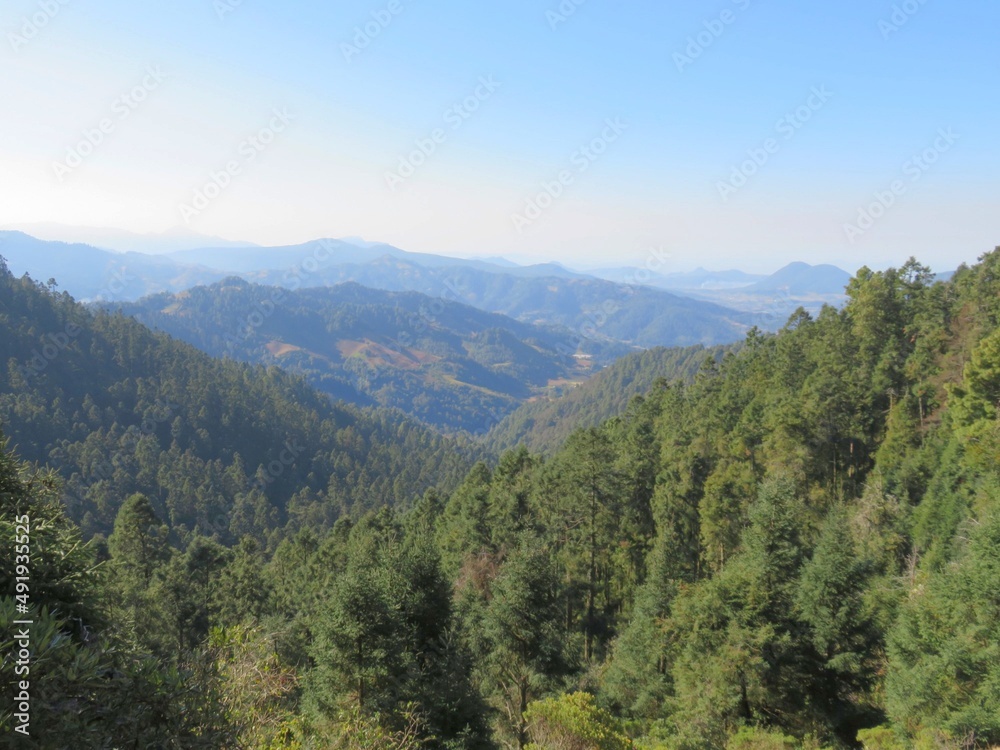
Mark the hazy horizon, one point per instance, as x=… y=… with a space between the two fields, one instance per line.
x=727 y=135
x=660 y=261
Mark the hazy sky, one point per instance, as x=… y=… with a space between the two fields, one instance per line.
x=727 y=133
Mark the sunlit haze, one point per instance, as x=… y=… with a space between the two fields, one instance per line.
x=734 y=133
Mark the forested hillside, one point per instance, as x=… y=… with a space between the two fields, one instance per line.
x=594 y=308
x=543 y=424
x=798 y=549
x=449 y=365
x=218 y=447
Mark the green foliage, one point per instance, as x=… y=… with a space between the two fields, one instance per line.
x=514 y=627
x=139 y=543
x=758 y=739
x=945 y=646
x=544 y=425
x=356 y=730
x=880 y=738
x=797 y=548
x=384 y=643
x=88 y=687
x=638 y=681
x=256 y=689
x=449 y=365
x=217 y=447
x=573 y=722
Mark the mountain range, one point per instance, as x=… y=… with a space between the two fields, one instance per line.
x=119 y=240
x=458 y=344
x=595 y=309
x=450 y=365
x=217 y=446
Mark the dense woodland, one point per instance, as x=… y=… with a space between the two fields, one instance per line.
x=449 y=365
x=798 y=549
x=218 y=447
x=543 y=425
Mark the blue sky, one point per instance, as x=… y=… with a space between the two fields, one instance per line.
x=723 y=154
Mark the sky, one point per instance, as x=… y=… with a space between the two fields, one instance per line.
x=730 y=133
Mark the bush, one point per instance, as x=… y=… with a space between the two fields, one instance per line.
x=573 y=722
x=751 y=738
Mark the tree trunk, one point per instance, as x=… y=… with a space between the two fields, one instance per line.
x=522 y=726
x=591 y=579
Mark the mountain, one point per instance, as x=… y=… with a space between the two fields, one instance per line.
x=120 y=240
x=447 y=364
x=806 y=530
x=802 y=279
x=773 y=299
x=219 y=446
x=91 y=273
x=598 y=311
x=543 y=424
x=339 y=252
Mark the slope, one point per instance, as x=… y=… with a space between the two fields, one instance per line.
x=218 y=446
x=543 y=425
x=451 y=366
x=596 y=310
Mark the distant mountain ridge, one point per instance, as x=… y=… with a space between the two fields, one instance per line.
x=698 y=308
x=123 y=241
x=339 y=252
x=89 y=273
x=700 y=278
x=598 y=311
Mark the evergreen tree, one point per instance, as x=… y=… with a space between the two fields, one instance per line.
x=517 y=638
x=139 y=545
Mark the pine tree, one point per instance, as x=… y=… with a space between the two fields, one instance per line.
x=139 y=543
x=518 y=640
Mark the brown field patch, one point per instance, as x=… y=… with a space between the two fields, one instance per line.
x=280 y=348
